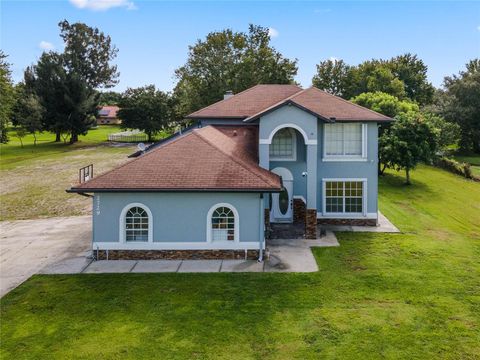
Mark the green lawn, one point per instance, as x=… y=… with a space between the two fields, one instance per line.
x=34 y=178
x=414 y=295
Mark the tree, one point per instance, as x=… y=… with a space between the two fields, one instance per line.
x=404 y=77
x=460 y=103
x=7 y=97
x=28 y=114
x=333 y=77
x=109 y=98
x=88 y=53
x=409 y=140
x=385 y=104
x=66 y=82
x=229 y=60
x=412 y=71
x=448 y=133
x=146 y=109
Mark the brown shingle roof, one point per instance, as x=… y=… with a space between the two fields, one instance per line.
x=260 y=99
x=210 y=158
x=247 y=103
x=326 y=106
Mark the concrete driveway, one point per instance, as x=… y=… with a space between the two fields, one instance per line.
x=28 y=246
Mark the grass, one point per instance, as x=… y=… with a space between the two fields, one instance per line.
x=34 y=178
x=414 y=295
x=473 y=160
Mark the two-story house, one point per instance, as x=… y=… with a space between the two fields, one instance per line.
x=272 y=153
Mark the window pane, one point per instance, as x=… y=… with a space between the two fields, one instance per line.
x=136 y=225
x=282 y=145
x=344 y=197
x=343 y=139
x=223 y=224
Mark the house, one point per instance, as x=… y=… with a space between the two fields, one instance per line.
x=270 y=154
x=107 y=115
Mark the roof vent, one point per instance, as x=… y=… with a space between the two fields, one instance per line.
x=228 y=94
x=234 y=132
x=333 y=118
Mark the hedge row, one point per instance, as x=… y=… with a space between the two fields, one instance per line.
x=456 y=167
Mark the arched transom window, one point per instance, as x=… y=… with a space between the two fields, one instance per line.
x=283 y=146
x=223 y=224
x=136 y=225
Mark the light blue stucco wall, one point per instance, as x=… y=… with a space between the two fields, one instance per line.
x=177 y=217
x=296 y=167
x=310 y=159
x=352 y=169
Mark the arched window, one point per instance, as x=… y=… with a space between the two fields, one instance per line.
x=136 y=224
x=222 y=223
x=284 y=145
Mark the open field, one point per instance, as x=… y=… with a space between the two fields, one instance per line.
x=414 y=295
x=34 y=178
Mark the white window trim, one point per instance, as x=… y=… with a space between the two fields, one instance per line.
x=236 y=228
x=122 y=227
x=363 y=157
x=294 y=148
x=344 y=215
x=289 y=125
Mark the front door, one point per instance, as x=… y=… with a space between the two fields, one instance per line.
x=282 y=204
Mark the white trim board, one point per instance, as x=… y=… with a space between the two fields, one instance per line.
x=347 y=216
x=236 y=226
x=199 y=245
x=122 y=226
x=289 y=125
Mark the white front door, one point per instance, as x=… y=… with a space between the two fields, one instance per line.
x=282 y=204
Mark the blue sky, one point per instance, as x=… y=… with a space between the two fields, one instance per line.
x=153 y=36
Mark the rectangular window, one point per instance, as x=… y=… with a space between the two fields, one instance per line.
x=343 y=140
x=344 y=197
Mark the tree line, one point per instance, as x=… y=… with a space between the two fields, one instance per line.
x=62 y=91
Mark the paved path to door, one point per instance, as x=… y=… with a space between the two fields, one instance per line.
x=27 y=246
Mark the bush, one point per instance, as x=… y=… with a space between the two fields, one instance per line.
x=454 y=166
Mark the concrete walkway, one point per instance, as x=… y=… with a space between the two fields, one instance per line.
x=384 y=226
x=27 y=246
x=292 y=255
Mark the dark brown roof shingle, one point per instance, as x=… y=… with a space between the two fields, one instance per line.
x=246 y=103
x=206 y=159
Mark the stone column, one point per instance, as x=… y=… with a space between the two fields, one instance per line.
x=311 y=213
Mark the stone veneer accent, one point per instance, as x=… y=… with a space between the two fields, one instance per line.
x=311 y=224
x=299 y=209
x=351 y=222
x=267 y=218
x=175 y=254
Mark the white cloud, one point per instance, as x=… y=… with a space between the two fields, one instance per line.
x=102 y=5
x=333 y=58
x=45 y=45
x=273 y=32
x=478 y=27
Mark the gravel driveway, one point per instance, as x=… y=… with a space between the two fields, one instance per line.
x=27 y=246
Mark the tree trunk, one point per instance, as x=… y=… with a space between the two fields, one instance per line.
x=21 y=142
x=381 y=168
x=149 y=137
x=407 y=173
x=57 y=136
x=34 y=139
x=73 y=138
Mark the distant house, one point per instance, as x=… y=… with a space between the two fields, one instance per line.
x=107 y=115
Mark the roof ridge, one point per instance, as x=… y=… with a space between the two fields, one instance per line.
x=239 y=161
x=276 y=104
x=241 y=92
x=136 y=159
x=348 y=101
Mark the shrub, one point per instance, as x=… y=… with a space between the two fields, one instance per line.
x=454 y=166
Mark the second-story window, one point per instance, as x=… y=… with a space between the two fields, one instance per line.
x=283 y=146
x=343 y=140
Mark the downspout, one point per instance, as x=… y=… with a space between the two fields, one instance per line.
x=262 y=231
